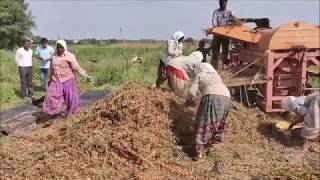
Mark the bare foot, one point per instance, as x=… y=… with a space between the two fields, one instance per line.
x=305 y=146
x=198 y=156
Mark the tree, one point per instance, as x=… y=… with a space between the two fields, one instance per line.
x=16 y=22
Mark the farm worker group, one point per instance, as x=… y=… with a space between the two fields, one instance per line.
x=211 y=117
x=185 y=74
x=58 y=69
x=214 y=107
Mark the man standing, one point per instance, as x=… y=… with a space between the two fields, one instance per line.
x=221 y=17
x=205 y=51
x=44 y=54
x=24 y=62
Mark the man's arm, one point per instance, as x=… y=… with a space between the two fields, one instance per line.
x=51 y=54
x=50 y=73
x=233 y=18
x=17 y=57
x=37 y=55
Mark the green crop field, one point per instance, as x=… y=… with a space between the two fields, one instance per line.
x=110 y=65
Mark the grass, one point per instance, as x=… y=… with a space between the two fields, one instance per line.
x=315 y=81
x=108 y=64
x=111 y=65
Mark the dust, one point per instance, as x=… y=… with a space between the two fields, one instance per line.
x=145 y=133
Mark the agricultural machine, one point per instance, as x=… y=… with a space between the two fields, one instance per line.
x=278 y=61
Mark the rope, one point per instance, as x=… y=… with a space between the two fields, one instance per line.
x=258 y=59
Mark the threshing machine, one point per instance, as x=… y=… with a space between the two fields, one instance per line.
x=280 y=57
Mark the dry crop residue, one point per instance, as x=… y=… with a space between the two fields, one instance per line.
x=145 y=133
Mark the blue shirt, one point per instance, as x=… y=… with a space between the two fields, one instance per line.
x=45 y=53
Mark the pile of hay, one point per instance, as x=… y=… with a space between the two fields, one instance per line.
x=144 y=133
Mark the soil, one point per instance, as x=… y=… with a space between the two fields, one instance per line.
x=145 y=133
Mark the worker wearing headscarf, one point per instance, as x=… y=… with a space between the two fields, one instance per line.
x=181 y=69
x=211 y=118
x=308 y=110
x=62 y=89
x=173 y=49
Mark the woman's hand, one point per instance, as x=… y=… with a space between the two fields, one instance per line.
x=299 y=120
x=291 y=126
x=88 y=78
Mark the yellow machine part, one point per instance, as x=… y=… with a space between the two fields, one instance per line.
x=287 y=36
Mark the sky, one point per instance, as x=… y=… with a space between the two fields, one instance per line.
x=154 y=19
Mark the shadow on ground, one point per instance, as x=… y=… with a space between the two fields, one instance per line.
x=25 y=116
x=283 y=137
x=182 y=127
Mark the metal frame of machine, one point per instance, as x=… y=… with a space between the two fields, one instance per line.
x=282 y=56
x=293 y=82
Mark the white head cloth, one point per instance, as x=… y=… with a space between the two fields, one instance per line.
x=177 y=35
x=62 y=43
x=198 y=55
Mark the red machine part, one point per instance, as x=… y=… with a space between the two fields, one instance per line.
x=286 y=74
x=281 y=55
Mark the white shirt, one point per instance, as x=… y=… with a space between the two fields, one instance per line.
x=23 y=57
x=186 y=64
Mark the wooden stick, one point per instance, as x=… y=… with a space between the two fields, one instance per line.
x=246 y=67
x=246 y=93
x=240 y=94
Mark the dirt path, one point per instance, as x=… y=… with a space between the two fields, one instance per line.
x=23 y=118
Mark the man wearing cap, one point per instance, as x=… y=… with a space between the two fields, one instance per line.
x=44 y=54
x=308 y=110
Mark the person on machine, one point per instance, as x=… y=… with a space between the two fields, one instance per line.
x=221 y=17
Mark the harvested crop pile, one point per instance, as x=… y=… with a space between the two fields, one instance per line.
x=145 y=133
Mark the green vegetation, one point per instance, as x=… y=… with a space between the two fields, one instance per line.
x=315 y=81
x=110 y=65
x=10 y=81
x=15 y=23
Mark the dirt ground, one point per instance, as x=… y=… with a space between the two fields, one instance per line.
x=144 y=133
